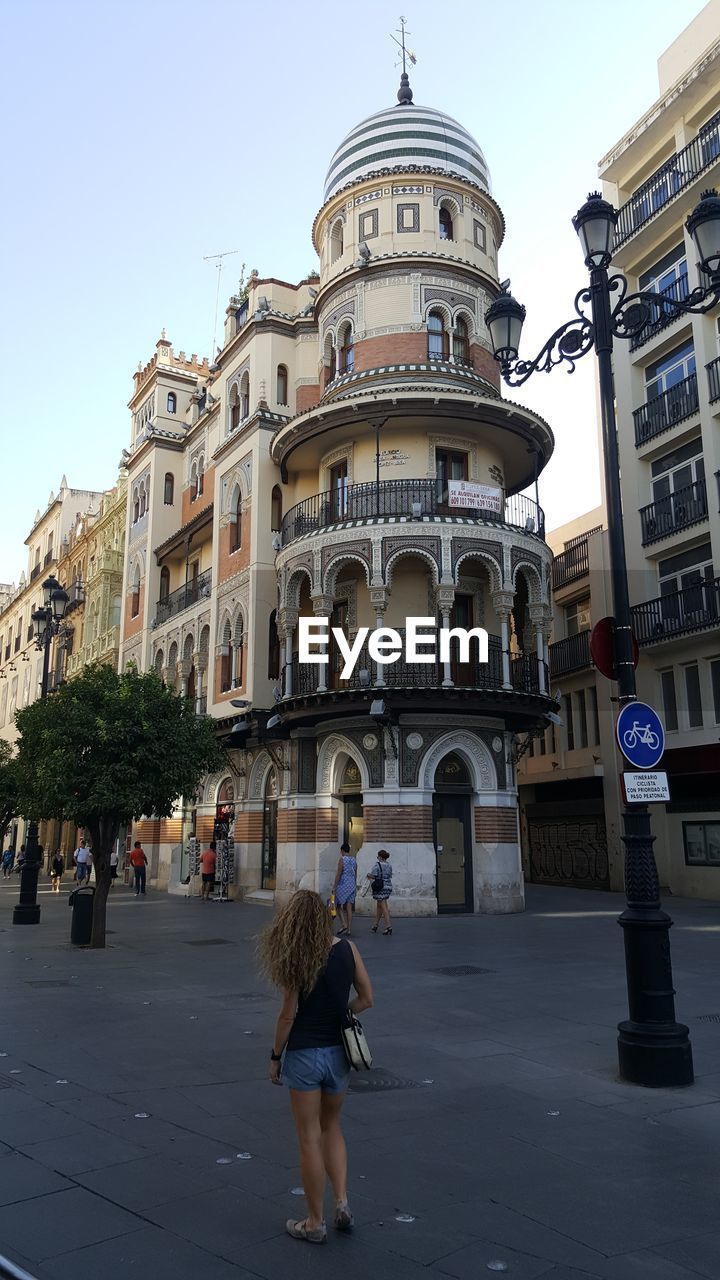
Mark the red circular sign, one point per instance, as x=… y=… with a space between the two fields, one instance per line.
x=602 y=648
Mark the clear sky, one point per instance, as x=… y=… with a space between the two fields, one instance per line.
x=140 y=135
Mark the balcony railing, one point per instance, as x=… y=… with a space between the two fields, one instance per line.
x=662 y=316
x=571 y=654
x=571 y=564
x=524 y=673
x=692 y=609
x=35 y=572
x=664 y=411
x=197 y=589
x=412 y=499
x=713 y=373
x=673 y=176
x=679 y=510
x=48 y=558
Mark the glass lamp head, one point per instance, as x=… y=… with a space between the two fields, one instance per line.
x=504 y=318
x=595 y=225
x=703 y=225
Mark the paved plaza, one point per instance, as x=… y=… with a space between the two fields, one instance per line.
x=140 y=1137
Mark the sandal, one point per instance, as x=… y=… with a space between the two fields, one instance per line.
x=344 y=1220
x=374 y=929
x=387 y=931
x=300 y=1231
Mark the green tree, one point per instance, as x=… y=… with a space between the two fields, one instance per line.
x=107 y=748
x=9 y=788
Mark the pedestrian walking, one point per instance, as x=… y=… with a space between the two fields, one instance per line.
x=57 y=869
x=345 y=889
x=83 y=862
x=20 y=859
x=381 y=886
x=113 y=866
x=139 y=863
x=208 y=865
x=315 y=972
x=8 y=859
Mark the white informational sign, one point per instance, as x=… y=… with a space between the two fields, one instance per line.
x=646 y=787
x=464 y=493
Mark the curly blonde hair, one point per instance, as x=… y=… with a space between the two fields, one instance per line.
x=294 y=949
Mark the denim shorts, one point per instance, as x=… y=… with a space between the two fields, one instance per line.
x=307 y=1069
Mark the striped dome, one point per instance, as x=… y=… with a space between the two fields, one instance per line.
x=407 y=135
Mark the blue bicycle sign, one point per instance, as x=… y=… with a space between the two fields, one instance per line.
x=640 y=735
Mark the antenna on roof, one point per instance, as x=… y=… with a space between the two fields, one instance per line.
x=217 y=258
x=404 y=92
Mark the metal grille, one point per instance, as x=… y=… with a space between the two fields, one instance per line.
x=461 y=970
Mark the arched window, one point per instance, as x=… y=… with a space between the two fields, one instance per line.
x=337 y=243
x=238 y=653
x=226 y=658
x=244 y=396
x=136 y=506
x=273 y=648
x=276 y=509
x=201 y=474
x=172 y=402
x=445 y=224
x=347 y=351
x=169 y=489
x=159 y=662
x=135 y=600
x=460 y=339
x=234 y=407
x=193 y=481
x=236 y=523
x=437 y=337
x=143 y=500
x=164 y=583
x=282 y=384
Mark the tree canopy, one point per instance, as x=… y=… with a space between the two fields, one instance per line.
x=9 y=788
x=109 y=748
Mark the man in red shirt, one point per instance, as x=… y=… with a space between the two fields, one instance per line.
x=208 y=863
x=139 y=863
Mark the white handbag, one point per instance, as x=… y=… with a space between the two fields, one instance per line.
x=355 y=1043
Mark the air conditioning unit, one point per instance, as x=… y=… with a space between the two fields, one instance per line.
x=583 y=619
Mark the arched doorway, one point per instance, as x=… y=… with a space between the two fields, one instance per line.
x=452 y=834
x=269 y=843
x=352 y=802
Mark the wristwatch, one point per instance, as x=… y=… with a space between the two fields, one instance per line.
x=275 y=1057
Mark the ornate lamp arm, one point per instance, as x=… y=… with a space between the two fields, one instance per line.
x=633 y=311
x=565 y=346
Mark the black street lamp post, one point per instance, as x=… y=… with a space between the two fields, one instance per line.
x=653 y=1048
x=47 y=621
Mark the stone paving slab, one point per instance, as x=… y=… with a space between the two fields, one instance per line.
x=621 y=1184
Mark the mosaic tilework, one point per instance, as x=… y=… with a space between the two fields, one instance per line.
x=408 y=217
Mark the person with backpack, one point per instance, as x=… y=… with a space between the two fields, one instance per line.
x=381 y=886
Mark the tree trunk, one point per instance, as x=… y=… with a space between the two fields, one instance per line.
x=103 y=835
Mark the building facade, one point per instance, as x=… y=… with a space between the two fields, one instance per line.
x=667 y=384
x=312 y=471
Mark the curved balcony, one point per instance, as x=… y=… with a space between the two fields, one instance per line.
x=403 y=500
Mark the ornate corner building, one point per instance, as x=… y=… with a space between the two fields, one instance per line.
x=312 y=470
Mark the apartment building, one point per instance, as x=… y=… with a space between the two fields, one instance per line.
x=667 y=382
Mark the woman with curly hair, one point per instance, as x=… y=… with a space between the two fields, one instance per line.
x=315 y=972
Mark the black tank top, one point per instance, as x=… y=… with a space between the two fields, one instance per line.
x=317 y=1022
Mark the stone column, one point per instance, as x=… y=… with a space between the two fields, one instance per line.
x=200 y=662
x=287 y=621
x=539 y=617
x=379 y=598
x=182 y=673
x=502 y=602
x=445 y=598
x=322 y=608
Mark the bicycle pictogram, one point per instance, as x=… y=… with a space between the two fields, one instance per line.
x=640 y=733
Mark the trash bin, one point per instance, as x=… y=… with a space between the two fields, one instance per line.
x=81 y=901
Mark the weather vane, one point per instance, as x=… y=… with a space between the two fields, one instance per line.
x=407 y=54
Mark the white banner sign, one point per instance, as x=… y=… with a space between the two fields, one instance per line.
x=463 y=493
x=646 y=788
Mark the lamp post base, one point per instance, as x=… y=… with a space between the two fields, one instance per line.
x=27 y=909
x=657 y=1057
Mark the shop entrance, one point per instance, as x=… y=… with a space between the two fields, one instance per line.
x=452 y=834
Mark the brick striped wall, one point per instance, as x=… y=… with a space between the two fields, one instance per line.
x=248 y=828
x=398 y=822
x=497 y=826
x=307 y=825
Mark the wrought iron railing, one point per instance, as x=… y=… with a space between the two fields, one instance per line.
x=194 y=590
x=47 y=559
x=571 y=564
x=524 y=673
x=410 y=498
x=692 y=609
x=35 y=572
x=713 y=373
x=660 y=316
x=570 y=654
x=678 y=510
x=673 y=176
x=663 y=411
